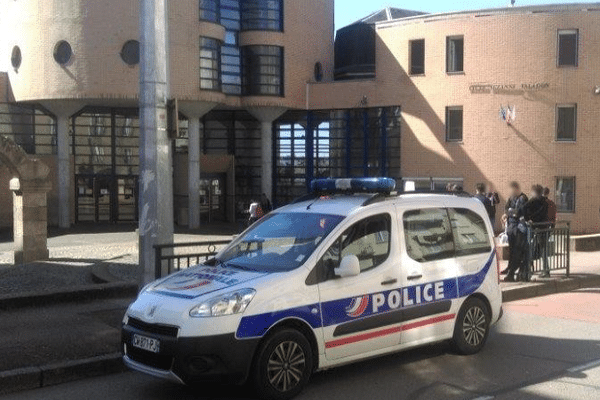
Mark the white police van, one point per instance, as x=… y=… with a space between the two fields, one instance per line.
x=350 y=272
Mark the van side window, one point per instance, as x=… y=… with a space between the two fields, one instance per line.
x=470 y=233
x=428 y=234
x=368 y=239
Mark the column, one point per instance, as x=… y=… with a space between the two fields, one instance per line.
x=266 y=116
x=194 y=172
x=64 y=171
x=30 y=220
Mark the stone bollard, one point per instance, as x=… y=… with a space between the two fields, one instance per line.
x=30 y=215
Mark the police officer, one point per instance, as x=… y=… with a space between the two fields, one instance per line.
x=517 y=232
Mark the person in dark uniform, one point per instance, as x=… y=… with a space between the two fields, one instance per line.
x=517 y=232
x=480 y=194
x=536 y=209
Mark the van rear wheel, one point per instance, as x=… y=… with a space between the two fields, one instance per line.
x=472 y=327
x=283 y=365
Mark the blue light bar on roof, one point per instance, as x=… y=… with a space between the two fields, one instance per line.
x=355 y=185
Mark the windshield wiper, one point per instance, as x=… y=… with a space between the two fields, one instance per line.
x=236 y=266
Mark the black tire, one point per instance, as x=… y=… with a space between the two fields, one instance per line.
x=291 y=358
x=472 y=327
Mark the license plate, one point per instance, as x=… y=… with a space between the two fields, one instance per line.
x=146 y=343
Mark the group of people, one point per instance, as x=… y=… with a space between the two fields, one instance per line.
x=518 y=212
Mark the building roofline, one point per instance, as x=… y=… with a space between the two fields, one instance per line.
x=547 y=8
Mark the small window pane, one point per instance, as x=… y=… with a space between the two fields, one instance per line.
x=265 y=15
x=566 y=125
x=428 y=235
x=210 y=64
x=417 y=57
x=369 y=240
x=63 y=52
x=454 y=124
x=470 y=232
x=565 y=194
x=130 y=53
x=209 y=10
x=455 y=54
x=567 y=48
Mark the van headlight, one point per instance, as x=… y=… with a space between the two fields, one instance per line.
x=225 y=304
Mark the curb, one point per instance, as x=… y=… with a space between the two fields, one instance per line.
x=53 y=374
x=77 y=294
x=101 y=274
x=547 y=288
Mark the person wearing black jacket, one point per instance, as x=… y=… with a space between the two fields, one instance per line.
x=516 y=231
x=536 y=209
x=482 y=197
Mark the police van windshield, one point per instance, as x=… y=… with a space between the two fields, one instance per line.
x=279 y=242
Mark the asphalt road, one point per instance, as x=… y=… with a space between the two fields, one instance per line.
x=543 y=349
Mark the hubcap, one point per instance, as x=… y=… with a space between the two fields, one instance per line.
x=474 y=326
x=286 y=366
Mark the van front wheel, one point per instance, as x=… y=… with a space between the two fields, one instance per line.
x=283 y=365
x=472 y=327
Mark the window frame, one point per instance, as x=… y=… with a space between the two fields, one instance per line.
x=254 y=5
x=322 y=273
x=411 y=43
x=465 y=252
x=558 y=203
x=216 y=81
x=250 y=76
x=557 y=123
x=217 y=12
x=450 y=109
x=566 y=32
x=448 y=40
x=405 y=243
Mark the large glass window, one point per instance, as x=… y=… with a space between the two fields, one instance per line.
x=209 y=10
x=266 y=15
x=210 y=60
x=566 y=123
x=454 y=124
x=455 y=54
x=262 y=68
x=231 y=70
x=565 y=194
x=417 y=57
x=568 y=43
x=369 y=240
x=470 y=232
x=428 y=234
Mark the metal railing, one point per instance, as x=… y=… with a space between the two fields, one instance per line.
x=548 y=248
x=170 y=258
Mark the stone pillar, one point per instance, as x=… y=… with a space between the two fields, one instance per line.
x=64 y=171
x=30 y=220
x=194 y=112
x=63 y=110
x=266 y=116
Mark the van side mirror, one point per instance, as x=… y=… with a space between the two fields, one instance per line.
x=350 y=266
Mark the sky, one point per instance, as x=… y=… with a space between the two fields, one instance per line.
x=349 y=11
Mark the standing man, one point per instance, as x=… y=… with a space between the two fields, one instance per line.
x=494 y=198
x=516 y=230
x=482 y=197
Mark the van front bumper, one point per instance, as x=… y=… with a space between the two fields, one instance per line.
x=222 y=358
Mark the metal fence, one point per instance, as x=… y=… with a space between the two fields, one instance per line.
x=171 y=258
x=548 y=248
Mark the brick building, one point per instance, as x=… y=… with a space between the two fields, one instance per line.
x=269 y=100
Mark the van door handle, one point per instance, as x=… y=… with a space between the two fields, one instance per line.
x=389 y=282
x=414 y=277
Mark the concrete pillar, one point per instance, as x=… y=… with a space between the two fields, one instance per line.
x=63 y=110
x=30 y=220
x=266 y=116
x=194 y=112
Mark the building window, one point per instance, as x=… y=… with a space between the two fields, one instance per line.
x=417 y=57
x=262 y=68
x=264 y=15
x=130 y=53
x=209 y=10
x=454 y=124
x=210 y=64
x=16 y=58
x=565 y=194
x=568 y=43
x=566 y=123
x=63 y=52
x=231 y=70
x=455 y=54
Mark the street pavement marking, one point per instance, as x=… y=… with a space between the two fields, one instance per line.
x=578 y=368
x=583 y=367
